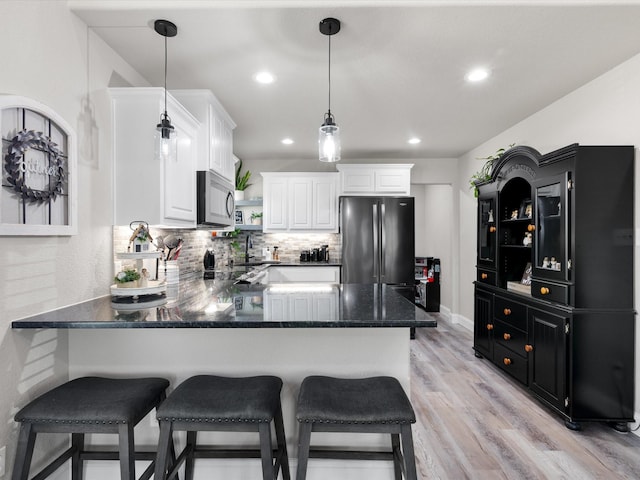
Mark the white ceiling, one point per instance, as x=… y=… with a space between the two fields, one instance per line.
x=397 y=67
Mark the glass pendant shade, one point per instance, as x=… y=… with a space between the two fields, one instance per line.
x=329 y=142
x=166 y=139
x=165 y=136
x=329 y=134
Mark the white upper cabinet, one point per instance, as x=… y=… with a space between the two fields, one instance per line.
x=375 y=179
x=145 y=187
x=215 y=145
x=300 y=202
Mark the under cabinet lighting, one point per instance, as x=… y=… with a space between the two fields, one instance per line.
x=414 y=141
x=287 y=141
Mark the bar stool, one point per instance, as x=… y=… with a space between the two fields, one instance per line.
x=213 y=403
x=365 y=405
x=89 y=405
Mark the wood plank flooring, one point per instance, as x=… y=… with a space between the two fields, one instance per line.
x=476 y=423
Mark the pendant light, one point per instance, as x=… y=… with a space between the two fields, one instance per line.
x=329 y=135
x=165 y=133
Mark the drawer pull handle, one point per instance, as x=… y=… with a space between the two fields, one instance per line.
x=531 y=228
x=507 y=311
x=492 y=229
x=506 y=336
x=544 y=290
x=506 y=361
x=484 y=276
x=489 y=326
x=528 y=348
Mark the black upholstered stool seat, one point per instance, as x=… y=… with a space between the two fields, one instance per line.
x=216 y=403
x=361 y=405
x=89 y=405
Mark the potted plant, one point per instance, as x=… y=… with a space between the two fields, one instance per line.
x=127 y=278
x=242 y=181
x=484 y=173
x=256 y=218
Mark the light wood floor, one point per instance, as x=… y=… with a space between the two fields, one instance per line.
x=473 y=422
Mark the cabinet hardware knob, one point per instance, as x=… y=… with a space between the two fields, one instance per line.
x=528 y=348
x=544 y=290
x=531 y=227
x=507 y=336
x=492 y=229
x=484 y=276
x=507 y=311
x=506 y=361
x=489 y=326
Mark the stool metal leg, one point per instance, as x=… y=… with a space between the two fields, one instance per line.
x=266 y=450
x=409 y=455
x=282 y=445
x=77 y=443
x=26 y=441
x=127 y=450
x=192 y=439
x=304 y=440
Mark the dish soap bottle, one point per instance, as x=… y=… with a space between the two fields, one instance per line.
x=276 y=255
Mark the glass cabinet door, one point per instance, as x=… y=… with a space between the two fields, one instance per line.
x=551 y=245
x=487 y=231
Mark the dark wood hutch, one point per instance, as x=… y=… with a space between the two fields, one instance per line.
x=554 y=286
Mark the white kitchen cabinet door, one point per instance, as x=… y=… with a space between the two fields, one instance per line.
x=215 y=151
x=324 y=307
x=300 y=203
x=359 y=180
x=275 y=203
x=276 y=307
x=392 y=180
x=146 y=188
x=375 y=179
x=325 y=204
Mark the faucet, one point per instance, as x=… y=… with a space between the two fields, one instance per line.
x=247 y=245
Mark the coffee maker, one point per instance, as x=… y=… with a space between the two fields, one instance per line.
x=209 y=262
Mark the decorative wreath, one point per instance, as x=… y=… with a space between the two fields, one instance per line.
x=23 y=141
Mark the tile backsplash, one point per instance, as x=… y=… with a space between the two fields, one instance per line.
x=195 y=242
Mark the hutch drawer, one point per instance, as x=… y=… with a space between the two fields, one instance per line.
x=553 y=292
x=512 y=338
x=514 y=365
x=486 y=276
x=511 y=312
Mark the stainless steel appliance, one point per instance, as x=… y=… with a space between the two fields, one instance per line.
x=378 y=241
x=215 y=202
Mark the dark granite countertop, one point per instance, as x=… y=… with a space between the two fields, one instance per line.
x=220 y=303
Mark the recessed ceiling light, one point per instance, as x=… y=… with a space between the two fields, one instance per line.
x=287 y=141
x=264 y=77
x=414 y=141
x=477 y=75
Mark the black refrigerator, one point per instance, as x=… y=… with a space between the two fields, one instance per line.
x=378 y=241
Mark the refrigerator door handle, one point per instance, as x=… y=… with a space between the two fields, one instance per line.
x=383 y=242
x=376 y=259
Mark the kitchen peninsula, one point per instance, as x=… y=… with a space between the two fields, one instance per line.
x=217 y=326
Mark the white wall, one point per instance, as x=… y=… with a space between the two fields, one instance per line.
x=45 y=57
x=606 y=111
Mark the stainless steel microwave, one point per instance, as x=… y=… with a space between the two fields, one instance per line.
x=215 y=202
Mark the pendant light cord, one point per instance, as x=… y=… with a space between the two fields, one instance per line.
x=165 y=76
x=329 y=75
